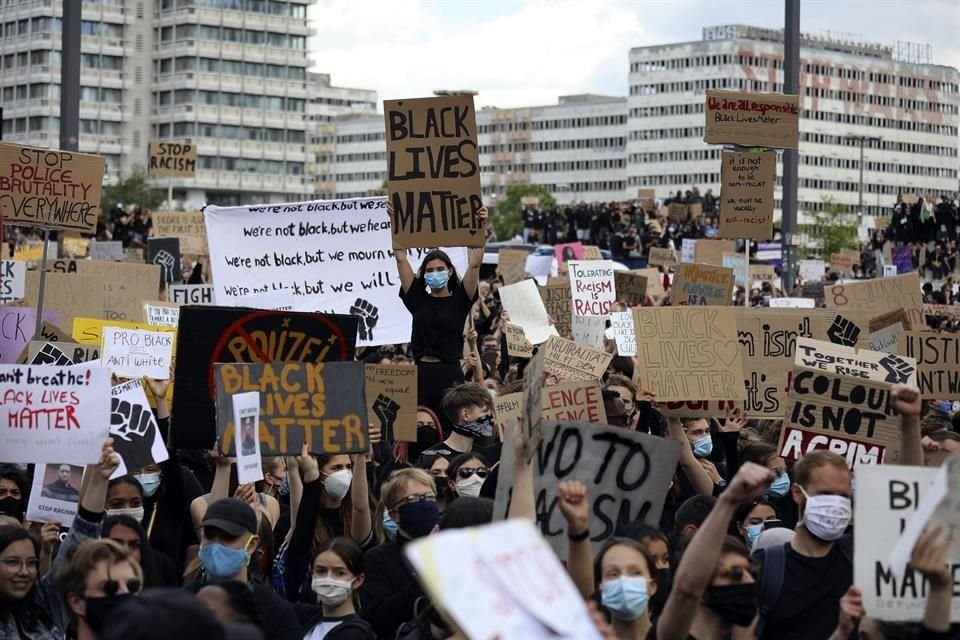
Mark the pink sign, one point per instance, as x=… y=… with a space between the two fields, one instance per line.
x=566 y=253
x=17 y=325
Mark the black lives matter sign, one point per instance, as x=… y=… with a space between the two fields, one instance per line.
x=433 y=172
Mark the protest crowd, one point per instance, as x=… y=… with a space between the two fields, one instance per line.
x=306 y=421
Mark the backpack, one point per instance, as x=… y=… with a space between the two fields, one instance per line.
x=771 y=582
x=355 y=624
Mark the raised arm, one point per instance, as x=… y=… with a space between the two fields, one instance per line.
x=403 y=265
x=696 y=474
x=472 y=277
x=906 y=401
x=522 y=503
x=360 y=497
x=94 y=496
x=573 y=503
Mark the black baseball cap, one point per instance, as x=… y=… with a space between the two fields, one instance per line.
x=232 y=515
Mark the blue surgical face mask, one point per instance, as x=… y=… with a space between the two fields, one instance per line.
x=221 y=561
x=780 y=486
x=150 y=483
x=753 y=532
x=703 y=447
x=390 y=527
x=436 y=279
x=625 y=597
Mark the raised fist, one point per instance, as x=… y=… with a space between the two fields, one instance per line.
x=843 y=332
x=368 y=315
x=386 y=410
x=898 y=370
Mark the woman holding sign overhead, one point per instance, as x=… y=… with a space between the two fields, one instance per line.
x=439 y=302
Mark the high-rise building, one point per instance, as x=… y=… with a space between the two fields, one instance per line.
x=903 y=110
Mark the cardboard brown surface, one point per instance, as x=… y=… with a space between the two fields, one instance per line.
x=703 y=285
x=124 y=285
x=938 y=362
x=435 y=201
x=677 y=212
x=391 y=393
x=517 y=344
x=187 y=226
x=169 y=158
x=558 y=301
x=631 y=287
x=50 y=188
x=877 y=296
x=512 y=265
x=591 y=252
x=659 y=256
x=568 y=360
x=711 y=251
x=769 y=120
x=74 y=296
x=746 y=196
x=533 y=379
x=762 y=273
x=654 y=281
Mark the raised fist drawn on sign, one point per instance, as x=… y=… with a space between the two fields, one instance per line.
x=843 y=332
x=386 y=410
x=166 y=261
x=133 y=429
x=897 y=369
x=50 y=354
x=368 y=315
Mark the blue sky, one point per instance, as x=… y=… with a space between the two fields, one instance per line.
x=523 y=53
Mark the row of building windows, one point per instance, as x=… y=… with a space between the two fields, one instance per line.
x=250 y=165
x=230 y=132
x=577 y=165
x=43 y=91
x=561 y=123
x=230 y=99
x=46 y=24
x=882 y=123
x=35 y=124
x=231 y=67
x=253 y=37
x=46 y=57
x=271 y=7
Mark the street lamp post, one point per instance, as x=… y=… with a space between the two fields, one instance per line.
x=862 y=140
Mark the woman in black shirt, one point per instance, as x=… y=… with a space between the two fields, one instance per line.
x=439 y=316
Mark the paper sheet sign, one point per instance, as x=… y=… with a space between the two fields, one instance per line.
x=592 y=285
x=53 y=413
x=435 y=202
x=621 y=324
x=322 y=405
x=13 y=280
x=246 y=438
x=133 y=427
x=134 y=353
x=195 y=294
x=391 y=394
x=769 y=120
x=839 y=399
x=568 y=360
x=525 y=307
x=589 y=330
x=55 y=493
x=164 y=314
x=50 y=188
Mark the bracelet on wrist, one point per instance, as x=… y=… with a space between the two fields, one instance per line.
x=578 y=537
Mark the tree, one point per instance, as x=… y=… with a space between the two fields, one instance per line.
x=507 y=218
x=135 y=190
x=833 y=228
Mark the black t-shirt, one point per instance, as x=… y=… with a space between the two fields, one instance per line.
x=437 y=322
x=809 y=601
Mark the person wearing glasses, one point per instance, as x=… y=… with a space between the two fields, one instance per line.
x=466 y=474
x=390 y=590
x=29 y=606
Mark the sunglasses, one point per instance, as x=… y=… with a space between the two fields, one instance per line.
x=466 y=473
x=420 y=497
x=111 y=587
x=737 y=573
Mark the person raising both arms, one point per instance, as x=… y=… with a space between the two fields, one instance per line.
x=439 y=315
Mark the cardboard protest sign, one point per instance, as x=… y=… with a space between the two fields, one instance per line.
x=53 y=353
x=71 y=295
x=792 y=303
x=942 y=311
x=812 y=270
x=740 y=265
x=433 y=171
x=533 y=380
x=13 y=280
x=689 y=353
x=133 y=427
x=135 y=353
x=246 y=438
x=840 y=263
x=55 y=493
x=557 y=300
x=658 y=256
x=320 y=404
x=568 y=360
x=591 y=252
x=875 y=297
x=631 y=287
x=567 y=252
x=334 y=257
x=523 y=303
x=573 y=402
x=17 y=325
x=702 y=285
x=530 y=201
x=111 y=250
x=210 y=335
x=501 y=581
x=391 y=395
x=511 y=265
x=589 y=330
x=517 y=344
x=938 y=362
x=887 y=497
x=186 y=225
x=76 y=247
x=647 y=198
x=164 y=314
x=627 y=476
x=165 y=253
x=695 y=209
x=172 y=159
x=762 y=273
x=711 y=251
x=621 y=325
x=592 y=286
x=195 y=294
x=677 y=212
x=49 y=332
x=49 y=353
x=746 y=195
x=54 y=413
x=839 y=399
x=654 y=281
x=61 y=266
x=885 y=333
x=124 y=285
x=49 y=188
x=506 y=409
x=769 y=120
x=696 y=408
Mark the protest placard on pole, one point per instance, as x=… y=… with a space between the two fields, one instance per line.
x=659 y=256
x=435 y=203
x=621 y=325
x=702 y=285
x=17 y=328
x=165 y=253
x=517 y=344
x=55 y=493
x=711 y=251
x=525 y=307
x=839 y=399
x=186 y=225
x=164 y=314
x=391 y=394
x=631 y=287
x=172 y=159
x=592 y=286
x=568 y=360
x=557 y=300
x=887 y=497
x=54 y=413
x=124 y=285
x=322 y=405
x=689 y=353
x=511 y=264
x=875 y=297
x=769 y=120
x=13 y=282
x=135 y=353
x=50 y=189
x=246 y=438
x=195 y=294
x=134 y=429
x=739 y=264
x=938 y=362
x=746 y=195
x=627 y=476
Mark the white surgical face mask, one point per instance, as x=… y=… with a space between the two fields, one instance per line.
x=337 y=484
x=330 y=591
x=826 y=516
x=134 y=512
x=469 y=486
